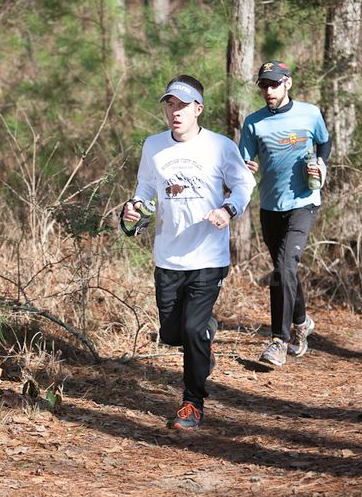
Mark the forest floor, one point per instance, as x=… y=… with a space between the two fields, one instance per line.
x=290 y=431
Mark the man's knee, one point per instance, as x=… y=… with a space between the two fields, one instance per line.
x=283 y=275
x=196 y=334
x=170 y=336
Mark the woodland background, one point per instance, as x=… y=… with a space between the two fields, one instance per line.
x=86 y=389
x=80 y=82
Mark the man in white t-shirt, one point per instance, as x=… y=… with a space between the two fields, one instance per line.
x=184 y=169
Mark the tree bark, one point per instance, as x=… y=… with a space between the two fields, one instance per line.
x=135 y=24
x=240 y=59
x=161 y=9
x=341 y=69
x=340 y=91
x=117 y=40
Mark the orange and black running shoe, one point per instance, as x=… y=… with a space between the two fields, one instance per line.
x=188 y=417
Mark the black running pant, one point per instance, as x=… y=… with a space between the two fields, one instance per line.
x=185 y=300
x=286 y=234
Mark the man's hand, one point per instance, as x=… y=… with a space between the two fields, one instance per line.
x=130 y=211
x=316 y=171
x=219 y=218
x=252 y=165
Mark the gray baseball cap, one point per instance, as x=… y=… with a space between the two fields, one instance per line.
x=186 y=93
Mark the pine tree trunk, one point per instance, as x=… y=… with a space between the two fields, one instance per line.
x=341 y=68
x=240 y=59
x=161 y=10
x=341 y=91
x=135 y=22
x=117 y=40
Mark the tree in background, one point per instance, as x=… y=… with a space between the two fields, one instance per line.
x=118 y=35
x=240 y=65
x=60 y=63
x=59 y=67
x=240 y=68
x=161 y=10
x=342 y=62
x=342 y=102
x=59 y=73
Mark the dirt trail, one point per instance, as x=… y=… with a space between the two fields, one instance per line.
x=292 y=431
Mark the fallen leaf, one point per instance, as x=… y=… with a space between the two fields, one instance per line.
x=16 y=450
x=112 y=450
x=347 y=453
x=110 y=461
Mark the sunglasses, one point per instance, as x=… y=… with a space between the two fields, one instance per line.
x=271 y=84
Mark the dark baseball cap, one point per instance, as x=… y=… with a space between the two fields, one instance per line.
x=273 y=70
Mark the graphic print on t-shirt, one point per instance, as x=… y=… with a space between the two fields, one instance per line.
x=273 y=144
x=181 y=186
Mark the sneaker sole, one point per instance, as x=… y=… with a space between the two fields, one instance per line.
x=295 y=353
x=311 y=329
x=178 y=426
x=270 y=361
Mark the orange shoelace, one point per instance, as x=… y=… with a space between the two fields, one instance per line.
x=187 y=410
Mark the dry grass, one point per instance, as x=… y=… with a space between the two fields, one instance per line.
x=259 y=438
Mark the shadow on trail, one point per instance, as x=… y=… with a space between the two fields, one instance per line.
x=122 y=387
x=221 y=446
x=216 y=439
x=320 y=343
x=228 y=395
x=327 y=346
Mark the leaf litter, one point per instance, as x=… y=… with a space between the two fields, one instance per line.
x=292 y=431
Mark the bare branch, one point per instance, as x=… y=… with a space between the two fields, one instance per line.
x=40 y=312
x=80 y=163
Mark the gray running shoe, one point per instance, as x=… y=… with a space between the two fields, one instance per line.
x=275 y=353
x=298 y=344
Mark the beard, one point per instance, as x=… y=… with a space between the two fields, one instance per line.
x=276 y=102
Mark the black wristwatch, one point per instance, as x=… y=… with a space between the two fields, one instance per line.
x=230 y=209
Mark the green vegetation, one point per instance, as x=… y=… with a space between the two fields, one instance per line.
x=72 y=110
x=80 y=88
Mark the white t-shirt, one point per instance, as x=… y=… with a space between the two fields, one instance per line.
x=187 y=180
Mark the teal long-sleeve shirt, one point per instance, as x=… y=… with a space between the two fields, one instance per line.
x=281 y=140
